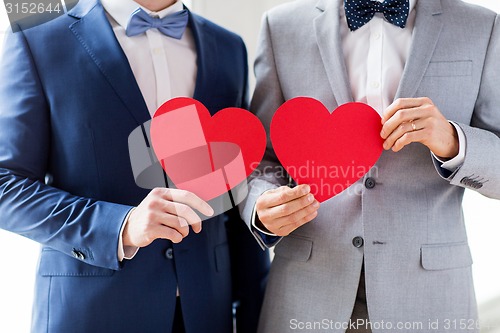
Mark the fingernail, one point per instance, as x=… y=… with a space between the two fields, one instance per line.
x=316 y=204
x=310 y=198
x=210 y=210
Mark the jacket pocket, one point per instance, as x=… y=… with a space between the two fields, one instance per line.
x=55 y=263
x=436 y=257
x=449 y=68
x=294 y=248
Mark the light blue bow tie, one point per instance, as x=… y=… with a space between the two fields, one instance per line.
x=172 y=25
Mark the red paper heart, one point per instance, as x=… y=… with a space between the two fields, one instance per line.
x=328 y=151
x=207 y=155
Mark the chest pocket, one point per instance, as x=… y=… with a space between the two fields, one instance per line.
x=449 y=68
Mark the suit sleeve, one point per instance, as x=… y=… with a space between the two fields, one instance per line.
x=80 y=227
x=479 y=170
x=267 y=98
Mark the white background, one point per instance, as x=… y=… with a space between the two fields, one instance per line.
x=18 y=256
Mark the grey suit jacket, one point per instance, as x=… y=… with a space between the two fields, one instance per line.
x=417 y=259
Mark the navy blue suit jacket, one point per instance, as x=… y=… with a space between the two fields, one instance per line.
x=69 y=101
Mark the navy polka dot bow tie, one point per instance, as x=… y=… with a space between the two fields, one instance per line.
x=360 y=12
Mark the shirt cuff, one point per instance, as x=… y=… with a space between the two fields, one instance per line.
x=126 y=252
x=456 y=162
x=266 y=238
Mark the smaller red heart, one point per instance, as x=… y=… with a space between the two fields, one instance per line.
x=207 y=155
x=328 y=151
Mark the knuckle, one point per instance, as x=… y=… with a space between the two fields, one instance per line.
x=306 y=200
x=157 y=191
x=398 y=102
x=260 y=203
x=283 y=196
x=294 y=218
x=150 y=216
x=185 y=195
x=285 y=210
x=262 y=215
x=151 y=204
x=311 y=209
x=181 y=209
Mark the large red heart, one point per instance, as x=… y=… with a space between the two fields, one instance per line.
x=328 y=151
x=203 y=154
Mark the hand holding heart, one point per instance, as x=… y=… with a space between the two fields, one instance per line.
x=166 y=214
x=284 y=209
x=410 y=120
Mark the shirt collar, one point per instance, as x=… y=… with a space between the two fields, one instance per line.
x=121 y=10
x=413 y=3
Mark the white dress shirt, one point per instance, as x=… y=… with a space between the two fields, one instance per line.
x=163 y=67
x=375 y=56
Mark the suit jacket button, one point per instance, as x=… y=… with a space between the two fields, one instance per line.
x=78 y=254
x=169 y=253
x=370 y=183
x=358 y=242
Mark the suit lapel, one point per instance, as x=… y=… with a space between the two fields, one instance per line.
x=327 y=29
x=94 y=32
x=206 y=49
x=428 y=25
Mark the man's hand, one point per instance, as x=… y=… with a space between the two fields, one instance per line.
x=164 y=213
x=284 y=209
x=410 y=120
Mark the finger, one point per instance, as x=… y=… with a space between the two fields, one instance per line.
x=289 y=207
x=282 y=195
x=401 y=117
x=196 y=227
x=187 y=198
x=403 y=128
x=406 y=139
x=183 y=211
x=288 y=229
x=175 y=222
x=295 y=219
x=186 y=215
x=401 y=104
x=164 y=232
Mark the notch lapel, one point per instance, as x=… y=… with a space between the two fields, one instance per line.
x=94 y=32
x=206 y=49
x=428 y=26
x=327 y=29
